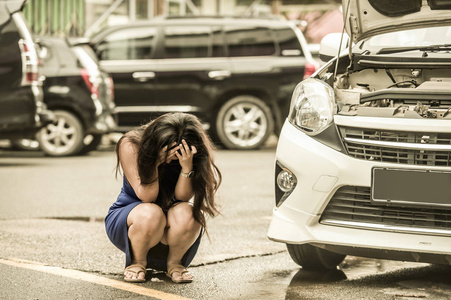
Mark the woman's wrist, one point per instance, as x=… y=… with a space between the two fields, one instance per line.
x=187 y=174
x=187 y=169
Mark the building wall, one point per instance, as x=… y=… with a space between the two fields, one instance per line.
x=56 y=17
x=77 y=17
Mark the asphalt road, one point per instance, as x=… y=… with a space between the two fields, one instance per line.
x=53 y=243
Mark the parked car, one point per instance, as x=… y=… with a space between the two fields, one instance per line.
x=22 y=111
x=235 y=74
x=363 y=162
x=79 y=93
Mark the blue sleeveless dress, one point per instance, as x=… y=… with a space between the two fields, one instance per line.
x=117 y=231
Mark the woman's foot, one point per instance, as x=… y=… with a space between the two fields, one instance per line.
x=179 y=274
x=135 y=273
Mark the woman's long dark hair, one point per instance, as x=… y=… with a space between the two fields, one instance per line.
x=165 y=131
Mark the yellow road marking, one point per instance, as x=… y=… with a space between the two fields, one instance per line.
x=79 y=275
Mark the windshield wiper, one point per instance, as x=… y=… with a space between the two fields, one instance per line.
x=441 y=47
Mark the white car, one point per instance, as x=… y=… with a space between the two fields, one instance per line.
x=363 y=162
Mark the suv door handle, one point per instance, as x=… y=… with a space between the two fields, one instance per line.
x=143 y=76
x=219 y=75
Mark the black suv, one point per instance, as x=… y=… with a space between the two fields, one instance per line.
x=79 y=92
x=22 y=111
x=235 y=74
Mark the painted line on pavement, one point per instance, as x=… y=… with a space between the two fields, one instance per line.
x=79 y=275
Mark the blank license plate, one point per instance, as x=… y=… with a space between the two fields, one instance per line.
x=411 y=187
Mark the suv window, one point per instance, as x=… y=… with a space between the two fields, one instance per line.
x=187 y=42
x=288 y=42
x=126 y=44
x=10 y=59
x=250 y=41
x=218 y=43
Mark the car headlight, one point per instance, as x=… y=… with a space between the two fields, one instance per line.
x=312 y=106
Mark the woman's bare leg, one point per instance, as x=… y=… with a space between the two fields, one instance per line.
x=146 y=223
x=181 y=234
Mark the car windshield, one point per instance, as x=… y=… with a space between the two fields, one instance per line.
x=403 y=40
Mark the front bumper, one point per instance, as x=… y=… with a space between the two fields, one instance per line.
x=320 y=172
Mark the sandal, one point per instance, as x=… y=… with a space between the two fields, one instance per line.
x=180 y=269
x=136 y=269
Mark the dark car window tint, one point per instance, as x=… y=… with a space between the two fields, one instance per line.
x=250 y=42
x=187 y=42
x=288 y=42
x=10 y=59
x=131 y=43
x=218 y=43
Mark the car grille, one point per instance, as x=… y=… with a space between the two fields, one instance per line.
x=351 y=206
x=403 y=147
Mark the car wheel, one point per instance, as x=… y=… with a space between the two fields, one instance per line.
x=313 y=258
x=63 y=137
x=244 y=122
x=91 y=142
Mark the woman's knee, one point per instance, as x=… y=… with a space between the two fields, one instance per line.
x=147 y=216
x=181 y=215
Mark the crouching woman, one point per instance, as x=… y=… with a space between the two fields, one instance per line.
x=169 y=183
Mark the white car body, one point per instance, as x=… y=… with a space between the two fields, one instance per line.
x=344 y=160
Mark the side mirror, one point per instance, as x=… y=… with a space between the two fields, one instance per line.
x=330 y=44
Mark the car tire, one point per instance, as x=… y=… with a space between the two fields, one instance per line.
x=244 y=122
x=64 y=137
x=92 y=144
x=313 y=258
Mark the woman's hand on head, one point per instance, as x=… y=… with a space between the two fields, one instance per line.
x=168 y=156
x=185 y=156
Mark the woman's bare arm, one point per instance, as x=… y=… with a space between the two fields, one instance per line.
x=128 y=154
x=184 y=187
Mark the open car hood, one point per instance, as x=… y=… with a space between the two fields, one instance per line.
x=371 y=17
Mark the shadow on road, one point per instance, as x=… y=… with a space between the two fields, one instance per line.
x=430 y=281
x=306 y=277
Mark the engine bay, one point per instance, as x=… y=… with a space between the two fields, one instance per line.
x=403 y=93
